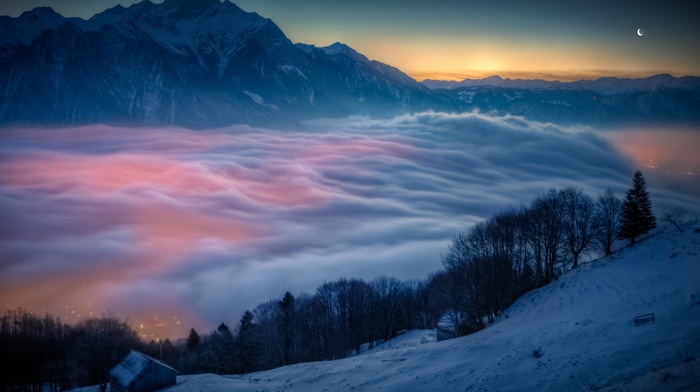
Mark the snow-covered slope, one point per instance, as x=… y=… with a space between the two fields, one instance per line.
x=583 y=323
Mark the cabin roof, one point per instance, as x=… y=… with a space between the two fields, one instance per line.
x=132 y=366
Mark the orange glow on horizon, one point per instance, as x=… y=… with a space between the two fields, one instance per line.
x=672 y=151
x=460 y=58
x=562 y=76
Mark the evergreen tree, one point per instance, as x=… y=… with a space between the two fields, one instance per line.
x=193 y=340
x=637 y=218
x=248 y=350
x=224 y=329
x=287 y=326
x=218 y=351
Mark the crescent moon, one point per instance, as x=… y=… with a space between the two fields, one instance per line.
x=640 y=32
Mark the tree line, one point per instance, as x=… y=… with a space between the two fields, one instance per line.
x=341 y=318
x=522 y=248
x=485 y=269
x=39 y=353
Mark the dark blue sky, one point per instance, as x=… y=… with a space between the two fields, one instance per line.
x=455 y=39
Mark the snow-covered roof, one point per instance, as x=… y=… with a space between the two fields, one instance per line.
x=132 y=366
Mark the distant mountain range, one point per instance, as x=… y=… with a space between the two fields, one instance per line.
x=604 y=101
x=604 y=86
x=208 y=64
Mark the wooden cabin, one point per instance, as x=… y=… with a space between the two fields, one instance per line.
x=140 y=373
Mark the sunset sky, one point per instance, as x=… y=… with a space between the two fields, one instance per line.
x=453 y=39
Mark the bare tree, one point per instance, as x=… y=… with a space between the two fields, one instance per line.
x=467 y=284
x=676 y=217
x=31 y=352
x=328 y=313
x=412 y=305
x=387 y=313
x=310 y=326
x=547 y=214
x=534 y=229
x=491 y=266
x=580 y=225
x=100 y=343
x=609 y=218
x=269 y=332
x=354 y=300
x=437 y=297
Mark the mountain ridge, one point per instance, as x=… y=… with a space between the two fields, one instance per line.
x=216 y=65
x=602 y=85
x=212 y=64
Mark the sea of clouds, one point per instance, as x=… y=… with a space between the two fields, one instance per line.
x=171 y=225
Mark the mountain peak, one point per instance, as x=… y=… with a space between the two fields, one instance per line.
x=493 y=78
x=40 y=12
x=191 y=5
x=44 y=16
x=340 y=48
x=190 y=2
x=27 y=26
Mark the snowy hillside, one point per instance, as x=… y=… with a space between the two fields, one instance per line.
x=583 y=323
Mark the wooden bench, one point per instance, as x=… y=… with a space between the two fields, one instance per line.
x=645 y=318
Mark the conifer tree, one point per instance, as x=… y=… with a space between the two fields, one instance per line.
x=287 y=325
x=193 y=340
x=248 y=350
x=637 y=218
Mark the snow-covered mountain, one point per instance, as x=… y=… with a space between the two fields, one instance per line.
x=197 y=64
x=208 y=63
x=570 y=106
x=23 y=29
x=581 y=324
x=605 y=101
x=606 y=86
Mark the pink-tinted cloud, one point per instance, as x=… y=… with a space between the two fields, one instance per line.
x=181 y=229
x=330 y=148
x=115 y=206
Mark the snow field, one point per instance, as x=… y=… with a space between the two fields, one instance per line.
x=583 y=323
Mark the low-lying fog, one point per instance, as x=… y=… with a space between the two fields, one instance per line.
x=177 y=228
